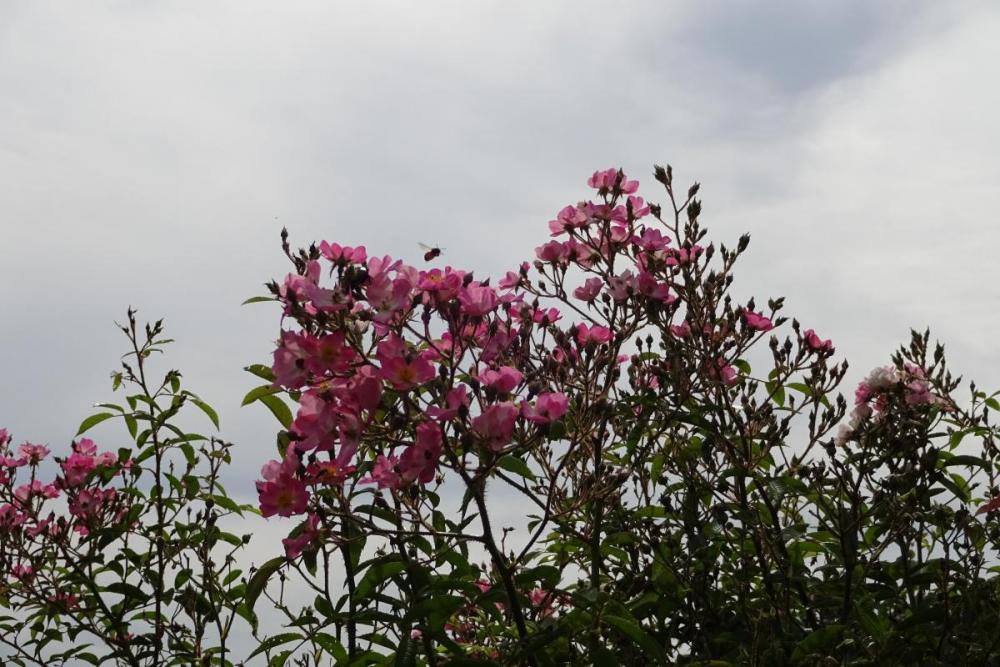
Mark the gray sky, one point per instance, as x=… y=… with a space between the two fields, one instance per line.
x=151 y=152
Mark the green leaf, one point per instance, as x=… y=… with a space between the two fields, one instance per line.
x=261 y=371
x=208 y=410
x=639 y=636
x=258 y=299
x=132 y=425
x=820 y=641
x=332 y=646
x=278 y=409
x=377 y=574
x=259 y=580
x=274 y=642
x=515 y=465
x=255 y=394
x=966 y=460
x=92 y=421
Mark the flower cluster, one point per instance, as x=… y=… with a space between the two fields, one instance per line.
x=27 y=519
x=873 y=395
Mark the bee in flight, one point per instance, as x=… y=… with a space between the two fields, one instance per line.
x=429 y=252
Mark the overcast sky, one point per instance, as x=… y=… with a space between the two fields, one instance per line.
x=151 y=152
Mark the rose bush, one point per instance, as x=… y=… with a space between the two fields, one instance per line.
x=686 y=485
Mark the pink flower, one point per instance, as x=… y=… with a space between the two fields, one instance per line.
x=583 y=254
x=284 y=496
x=547 y=408
x=543 y=316
x=756 y=321
x=682 y=330
x=991 y=506
x=570 y=217
x=388 y=297
x=329 y=354
x=33 y=453
x=76 y=468
x=478 y=300
x=622 y=286
x=638 y=205
x=419 y=461
x=401 y=369
x=814 y=342
x=512 y=279
x=553 y=252
x=10 y=516
x=504 y=380
x=85 y=446
x=22 y=572
x=654 y=289
x=290 y=356
x=294 y=546
x=597 y=334
x=365 y=388
x=315 y=422
x=330 y=473
x=385 y=472
x=543 y=601
x=682 y=256
x=343 y=254
x=604 y=181
x=456 y=399
x=590 y=289
x=36 y=488
x=86 y=503
x=495 y=426
x=63 y=600
x=652 y=240
x=723 y=372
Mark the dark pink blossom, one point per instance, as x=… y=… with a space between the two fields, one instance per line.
x=478 y=300
x=814 y=342
x=569 y=218
x=310 y=533
x=756 y=321
x=595 y=334
x=654 y=289
x=419 y=461
x=547 y=408
x=682 y=330
x=289 y=366
x=401 y=369
x=622 y=286
x=455 y=400
x=339 y=254
x=590 y=289
x=33 y=453
x=504 y=379
x=285 y=496
x=553 y=252
x=605 y=181
x=495 y=426
x=385 y=472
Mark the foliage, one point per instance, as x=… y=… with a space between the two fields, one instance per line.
x=695 y=489
x=134 y=567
